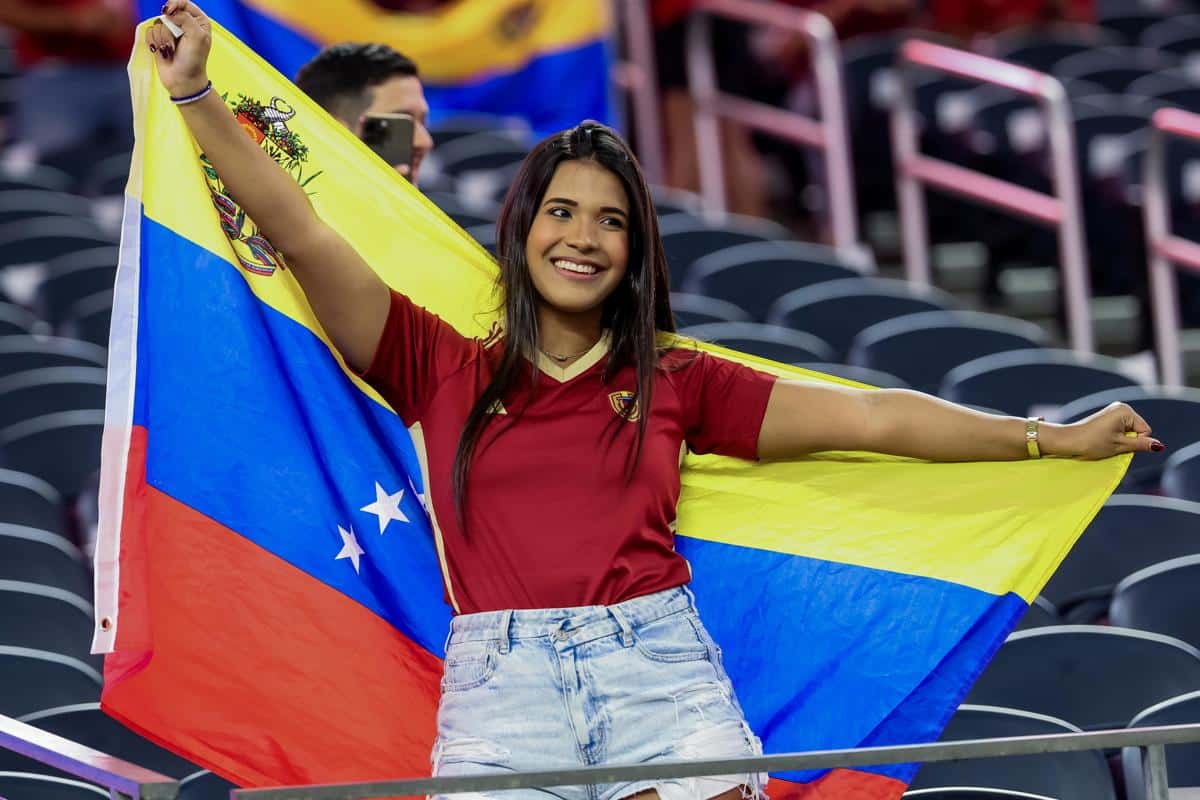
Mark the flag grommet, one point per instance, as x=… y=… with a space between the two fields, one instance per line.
x=106 y=623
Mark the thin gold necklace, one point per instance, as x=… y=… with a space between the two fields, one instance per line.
x=561 y=358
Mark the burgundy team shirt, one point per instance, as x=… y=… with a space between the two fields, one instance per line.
x=552 y=518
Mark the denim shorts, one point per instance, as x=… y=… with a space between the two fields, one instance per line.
x=632 y=683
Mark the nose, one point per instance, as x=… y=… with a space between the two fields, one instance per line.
x=582 y=234
x=422 y=140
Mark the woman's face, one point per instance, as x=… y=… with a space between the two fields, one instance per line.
x=578 y=245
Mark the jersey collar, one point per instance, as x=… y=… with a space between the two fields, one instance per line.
x=585 y=362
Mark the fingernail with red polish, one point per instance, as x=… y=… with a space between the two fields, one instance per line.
x=168 y=52
x=153 y=49
x=1157 y=447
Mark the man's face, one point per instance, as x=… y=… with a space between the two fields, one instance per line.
x=402 y=95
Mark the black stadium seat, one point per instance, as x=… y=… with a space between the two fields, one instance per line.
x=686 y=239
x=90 y=318
x=1092 y=676
x=1130 y=532
x=36 y=241
x=29 y=394
x=73 y=277
x=1174 y=414
x=1021 y=382
x=31 y=680
x=34 y=176
x=922 y=348
x=63 y=448
x=86 y=724
x=46 y=618
x=972 y=793
x=20 y=353
x=754 y=275
x=28 y=500
x=204 y=785
x=33 y=786
x=871 y=377
x=1183 y=760
x=15 y=320
x=22 y=204
x=479 y=152
x=1065 y=776
x=1181 y=473
x=1041 y=613
x=38 y=556
x=837 y=311
x=1162 y=598
x=764 y=341
x=696 y=309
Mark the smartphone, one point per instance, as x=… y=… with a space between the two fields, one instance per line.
x=389 y=135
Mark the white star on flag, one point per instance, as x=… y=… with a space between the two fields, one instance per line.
x=350 y=548
x=386 y=507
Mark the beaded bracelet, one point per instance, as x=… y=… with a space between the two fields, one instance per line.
x=191 y=98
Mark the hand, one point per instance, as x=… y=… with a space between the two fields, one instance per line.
x=182 y=63
x=1101 y=435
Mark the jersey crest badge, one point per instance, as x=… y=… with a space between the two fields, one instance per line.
x=621 y=402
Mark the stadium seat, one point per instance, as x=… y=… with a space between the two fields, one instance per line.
x=1024 y=382
x=28 y=500
x=479 y=152
x=1041 y=614
x=89 y=319
x=686 y=239
x=1163 y=34
x=204 y=785
x=108 y=176
x=87 y=724
x=29 y=394
x=34 y=176
x=21 y=353
x=1114 y=68
x=837 y=311
x=46 y=618
x=73 y=277
x=39 y=240
x=1092 y=676
x=23 y=204
x=463 y=125
x=33 y=786
x=15 y=321
x=1171 y=88
x=764 y=341
x=1174 y=414
x=41 y=557
x=1181 y=473
x=485 y=235
x=1131 y=24
x=1183 y=760
x=753 y=276
x=972 y=793
x=1042 y=47
x=1066 y=776
x=31 y=680
x=1129 y=533
x=871 y=377
x=922 y=348
x=668 y=200
x=63 y=448
x=1162 y=598
x=696 y=309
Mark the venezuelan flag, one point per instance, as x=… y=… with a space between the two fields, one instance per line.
x=267 y=588
x=474 y=55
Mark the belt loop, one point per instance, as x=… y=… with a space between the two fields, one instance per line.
x=623 y=621
x=505 y=629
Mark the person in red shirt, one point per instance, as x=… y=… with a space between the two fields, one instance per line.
x=552 y=452
x=72 y=55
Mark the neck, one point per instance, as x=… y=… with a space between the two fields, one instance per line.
x=563 y=334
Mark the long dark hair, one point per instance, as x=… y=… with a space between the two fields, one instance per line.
x=638 y=307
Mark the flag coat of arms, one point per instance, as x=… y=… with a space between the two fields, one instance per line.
x=268 y=591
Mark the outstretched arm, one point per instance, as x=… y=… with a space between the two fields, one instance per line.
x=804 y=418
x=350 y=301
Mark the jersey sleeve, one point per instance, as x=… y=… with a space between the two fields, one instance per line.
x=416 y=352
x=723 y=405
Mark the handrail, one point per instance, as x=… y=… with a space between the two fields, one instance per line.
x=1164 y=250
x=1062 y=210
x=121 y=778
x=639 y=76
x=829 y=133
x=1151 y=739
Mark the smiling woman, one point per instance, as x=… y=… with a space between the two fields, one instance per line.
x=551 y=452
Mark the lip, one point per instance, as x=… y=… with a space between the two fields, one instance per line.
x=576 y=276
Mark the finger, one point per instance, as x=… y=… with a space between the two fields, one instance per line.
x=1139 y=425
x=187 y=22
x=1134 y=443
x=150 y=38
x=159 y=37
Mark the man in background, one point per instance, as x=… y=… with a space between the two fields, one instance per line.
x=351 y=80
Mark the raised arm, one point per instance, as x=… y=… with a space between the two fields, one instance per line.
x=350 y=301
x=806 y=417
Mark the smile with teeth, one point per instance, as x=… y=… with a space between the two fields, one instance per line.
x=575 y=266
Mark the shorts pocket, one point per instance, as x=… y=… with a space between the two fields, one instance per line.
x=672 y=638
x=468 y=665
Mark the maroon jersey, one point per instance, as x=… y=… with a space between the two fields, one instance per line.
x=553 y=517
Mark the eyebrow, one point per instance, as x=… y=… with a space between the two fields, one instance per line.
x=568 y=202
